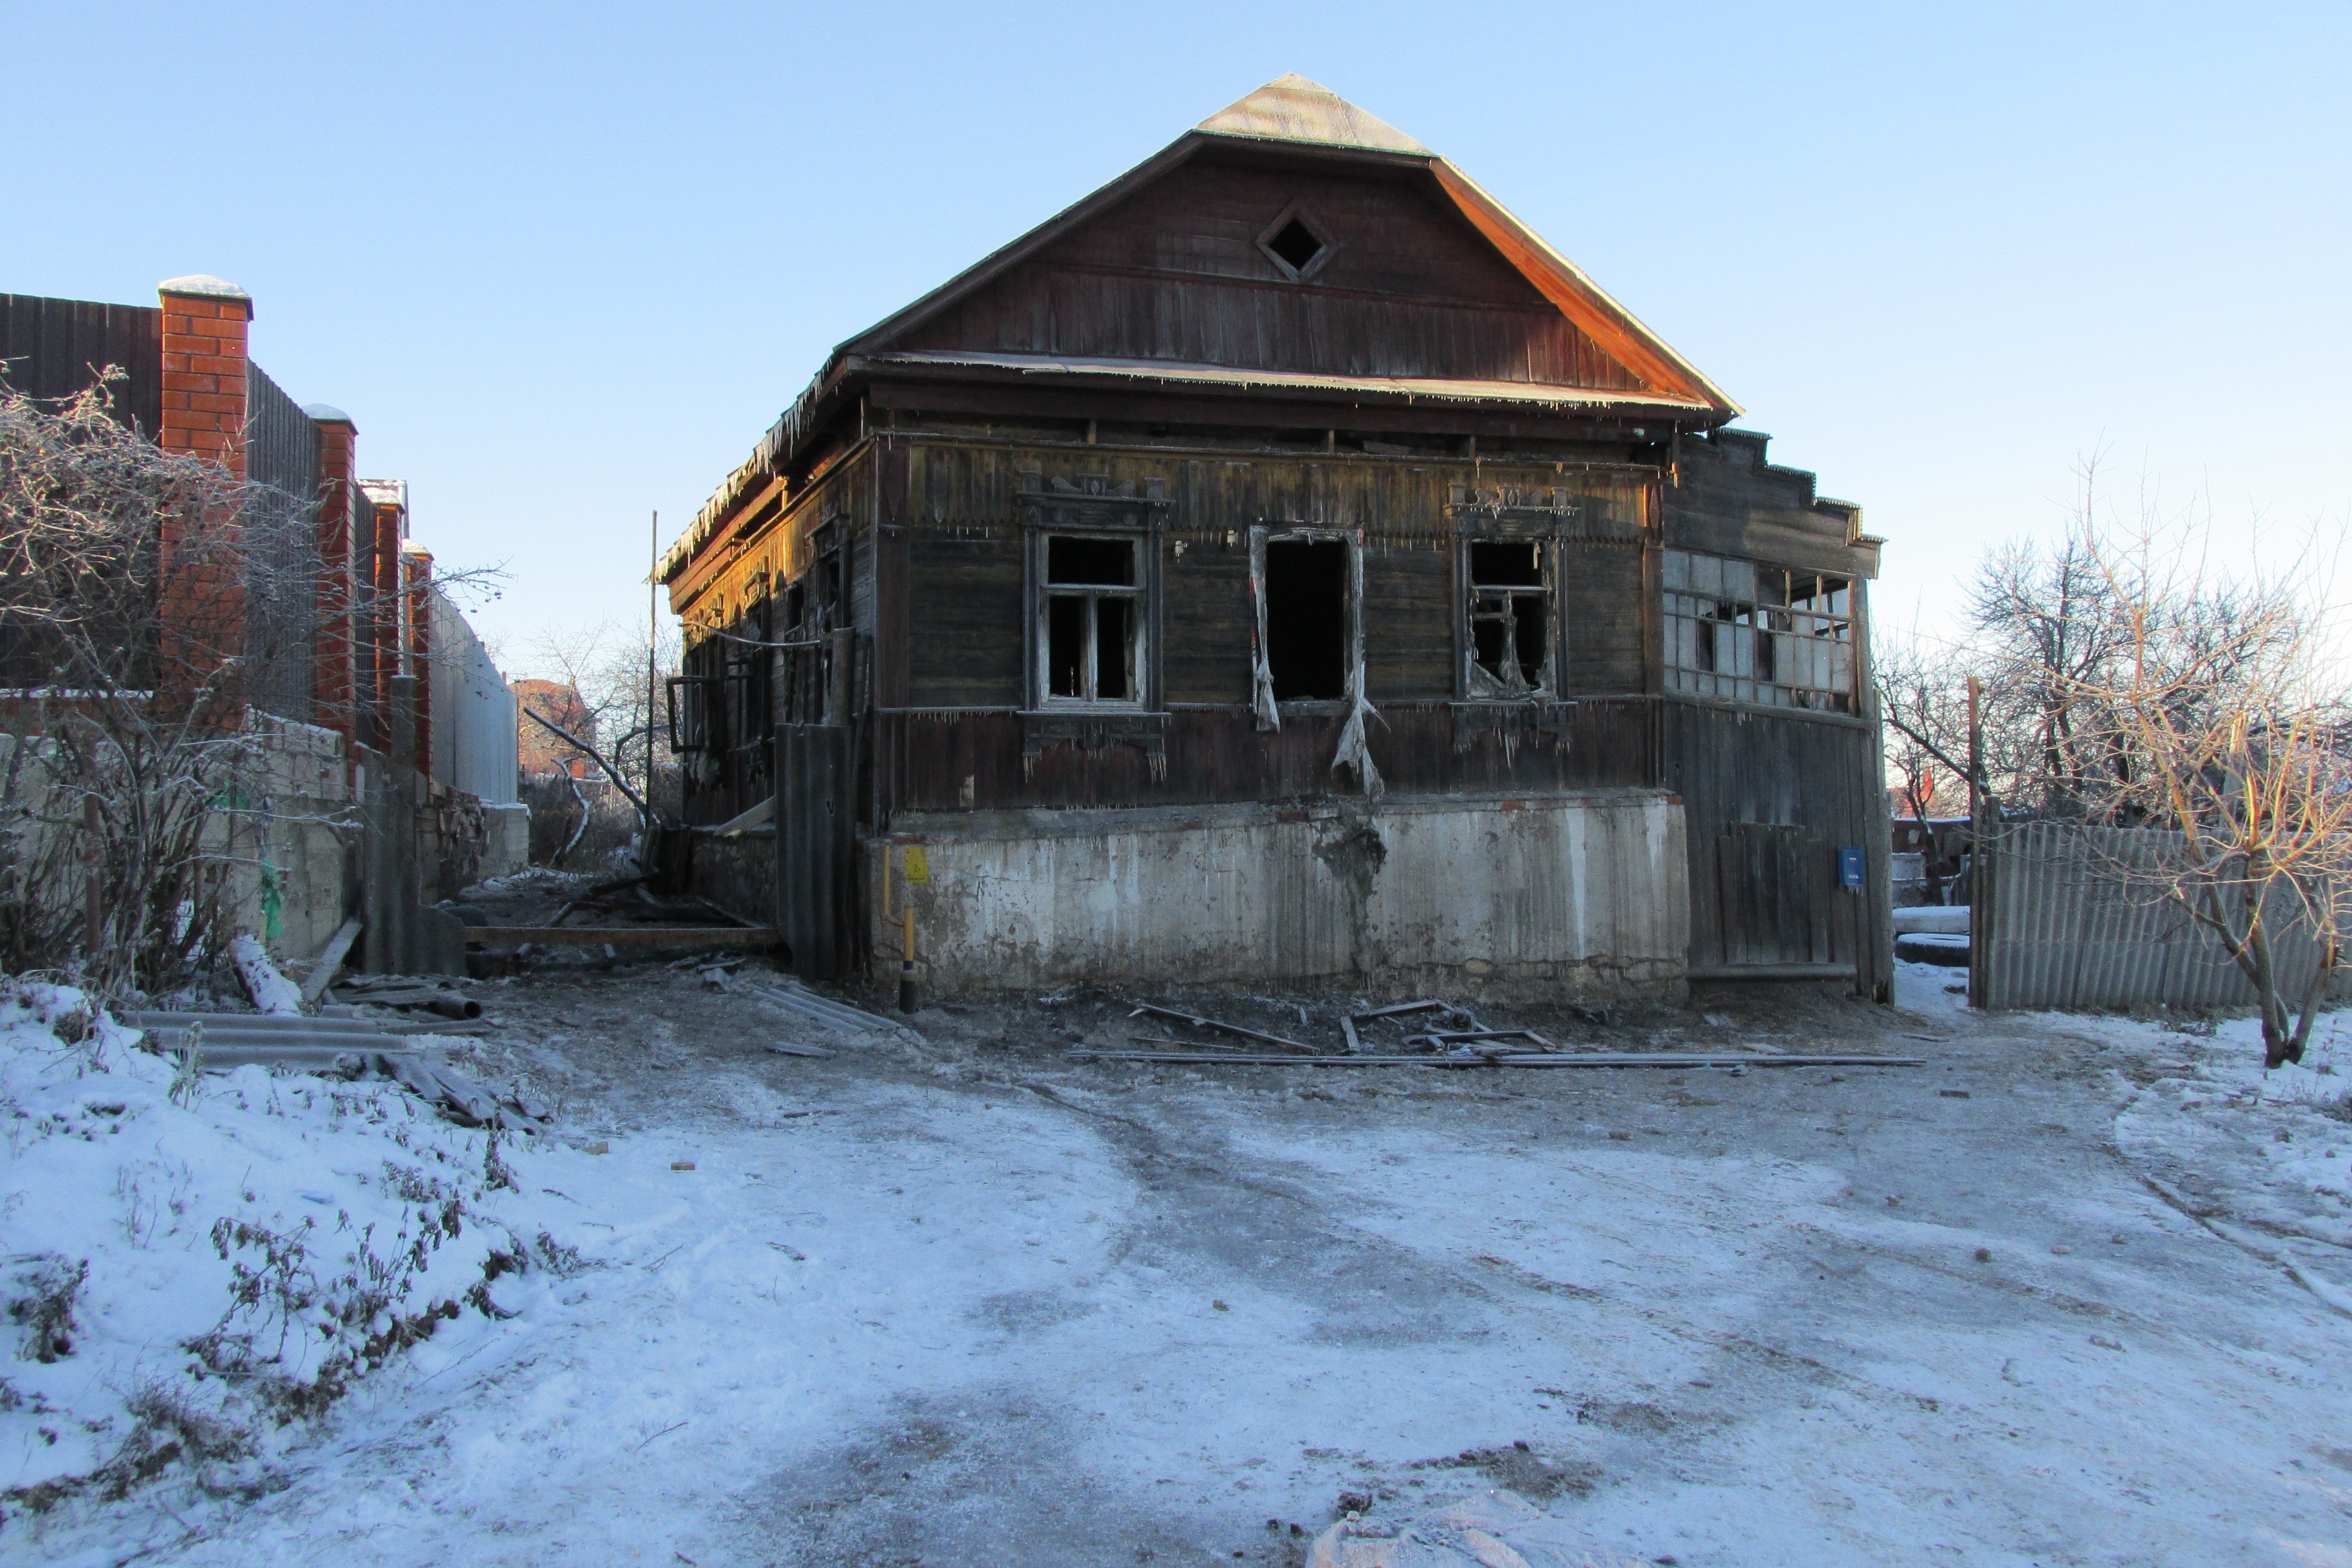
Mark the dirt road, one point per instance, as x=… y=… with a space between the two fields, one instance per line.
x=964 y=1301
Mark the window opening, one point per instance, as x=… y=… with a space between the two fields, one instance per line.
x=1093 y=628
x=1307 y=619
x=1296 y=244
x=1510 y=620
x=1759 y=634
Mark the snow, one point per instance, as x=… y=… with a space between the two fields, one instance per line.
x=964 y=1301
x=137 y=1197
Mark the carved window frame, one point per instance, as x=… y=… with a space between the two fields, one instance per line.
x=1541 y=517
x=1092 y=507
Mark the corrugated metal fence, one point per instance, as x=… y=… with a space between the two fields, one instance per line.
x=56 y=347
x=281 y=542
x=2066 y=932
x=474 y=714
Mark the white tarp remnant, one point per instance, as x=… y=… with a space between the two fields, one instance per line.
x=1262 y=703
x=1353 y=753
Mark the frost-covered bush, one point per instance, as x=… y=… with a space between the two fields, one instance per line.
x=188 y=1275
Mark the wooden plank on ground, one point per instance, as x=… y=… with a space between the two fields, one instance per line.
x=622 y=936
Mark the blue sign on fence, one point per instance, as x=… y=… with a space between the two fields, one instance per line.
x=1850 y=865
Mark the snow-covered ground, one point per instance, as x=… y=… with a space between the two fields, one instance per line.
x=2062 y=1296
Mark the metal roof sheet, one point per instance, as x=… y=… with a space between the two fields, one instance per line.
x=1292 y=109
x=1432 y=388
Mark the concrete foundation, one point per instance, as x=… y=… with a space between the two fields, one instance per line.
x=1577 y=894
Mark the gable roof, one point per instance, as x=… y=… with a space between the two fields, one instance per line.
x=1294 y=111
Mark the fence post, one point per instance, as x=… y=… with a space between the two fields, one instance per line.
x=1980 y=853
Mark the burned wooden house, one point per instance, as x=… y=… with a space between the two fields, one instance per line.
x=1281 y=565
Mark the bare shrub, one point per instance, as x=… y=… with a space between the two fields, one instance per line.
x=147 y=600
x=2129 y=682
x=41 y=1305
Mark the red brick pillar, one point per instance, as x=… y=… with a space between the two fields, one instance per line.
x=333 y=688
x=386 y=511
x=201 y=598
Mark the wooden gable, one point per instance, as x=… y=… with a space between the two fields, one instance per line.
x=1401 y=284
x=1415 y=273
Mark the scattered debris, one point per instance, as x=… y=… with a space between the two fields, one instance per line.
x=1142 y=1008
x=637 y=936
x=1457 y=1036
x=681 y=1164
x=331 y=959
x=785 y=1048
x=1468 y=1058
x=397 y=991
x=794 y=997
x=1491 y=1527
x=271 y=992
x=347 y=1048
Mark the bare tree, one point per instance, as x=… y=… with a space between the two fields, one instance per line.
x=2216 y=719
x=606 y=665
x=122 y=810
x=147 y=600
x=1922 y=702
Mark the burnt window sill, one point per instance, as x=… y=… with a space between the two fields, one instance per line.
x=1092 y=728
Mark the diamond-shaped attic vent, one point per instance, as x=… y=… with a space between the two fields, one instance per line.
x=1295 y=244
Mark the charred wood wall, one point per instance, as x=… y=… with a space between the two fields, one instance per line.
x=964 y=560
x=1740 y=769
x=943 y=761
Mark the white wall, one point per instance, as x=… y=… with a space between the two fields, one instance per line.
x=1581 y=893
x=474 y=713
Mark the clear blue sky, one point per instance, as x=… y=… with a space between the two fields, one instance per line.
x=565 y=264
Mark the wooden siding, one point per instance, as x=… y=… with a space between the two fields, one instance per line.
x=56 y=347
x=1408 y=286
x=1606 y=604
x=965 y=645
x=1729 y=500
x=1740 y=766
x=966 y=627
x=1206 y=624
x=925 y=759
x=1410 y=614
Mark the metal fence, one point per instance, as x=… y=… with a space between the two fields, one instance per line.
x=2065 y=931
x=282 y=559
x=474 y=713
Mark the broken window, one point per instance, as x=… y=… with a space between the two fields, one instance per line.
x=1092 y=620
x=1303 y=606
x=1759 y=634
x=1510 y=640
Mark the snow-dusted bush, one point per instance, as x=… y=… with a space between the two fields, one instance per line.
x=192 y=1266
